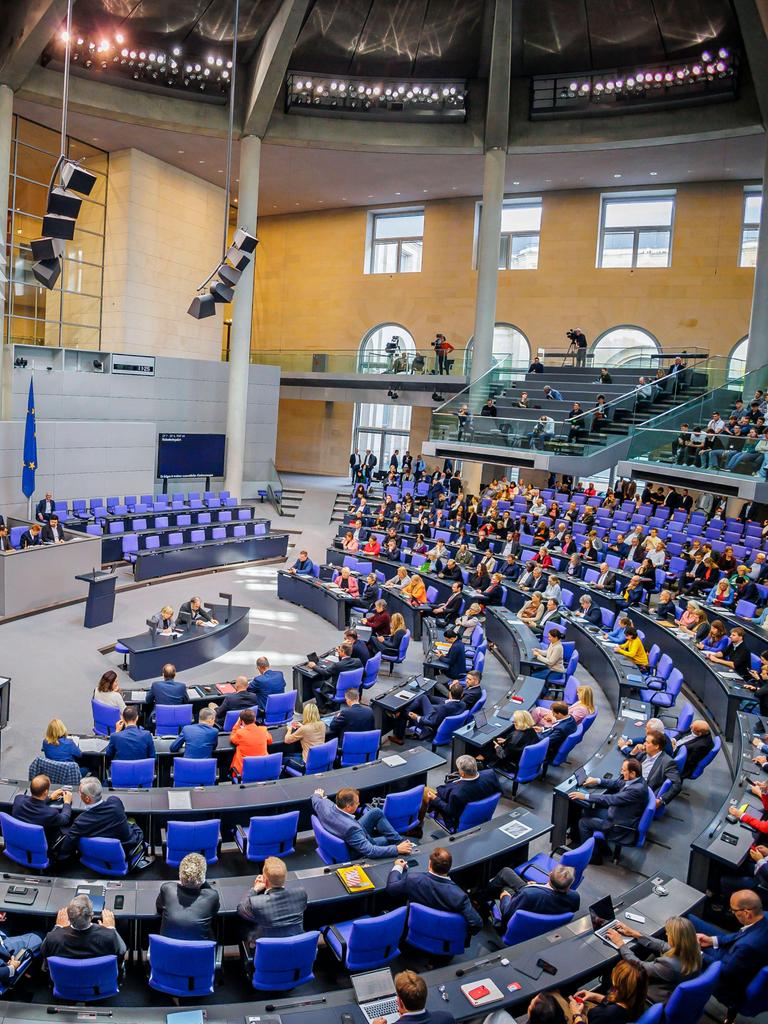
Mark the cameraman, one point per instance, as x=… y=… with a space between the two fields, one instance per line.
x=579 y=341
x=442 y=350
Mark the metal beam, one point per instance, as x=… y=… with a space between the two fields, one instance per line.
x=28 y=28
x=753 y=33
x=499 y=78
x=267 y=70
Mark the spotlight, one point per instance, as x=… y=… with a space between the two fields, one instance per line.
x=119 y=38
x=202 y=306
x=176 y=51
x=47 y=272
x=723 y=54
x=20 y=363
x=706 y=56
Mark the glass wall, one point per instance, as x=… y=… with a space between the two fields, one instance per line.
x=623 y=345
x=70 y=315
x=383 y=429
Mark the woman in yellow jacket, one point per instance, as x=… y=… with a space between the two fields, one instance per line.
x=415 y=590
x=632 y=647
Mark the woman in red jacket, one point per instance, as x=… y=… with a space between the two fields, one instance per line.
x=758 y=824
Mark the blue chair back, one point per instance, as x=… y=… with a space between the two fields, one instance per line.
x=448 y=727
x=567 y=745
x=646 y=819
x=360 y=747
x=279 y=708
x=707 y=759
x=375 y=941
x=689 y=998
x=371 y=670
x=262 y=769
x=532 y=761
x=524 y=925
x=330 y=848
x=350 y=680
x=477 y=812
x=402 y=809
x=436 y=931
x=578 y=860
x=321 y=757
x=273 y=836
x=756 y=997
x=105 y=718
x=684 y=720
x=181 y=967
x=105 y=856
x=588 y=722
x=83 y=981
x=185 y=837
x=133 y=774
x=280 y=965
x=399 y=658
x=194 y=771
x=169 y=718
x=229 y=720
x=26 y=844
x=151 y=542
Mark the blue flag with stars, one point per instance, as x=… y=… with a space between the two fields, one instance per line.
x=30 y=447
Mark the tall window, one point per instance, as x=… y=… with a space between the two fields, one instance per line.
x=737 y=364
x=507 y=341
x=388 y=348
x=636 y=229
x=382 y=428
x=624 y=346
x=396 y=242
x=520 y=227
x=753 y=201
x=33 y=314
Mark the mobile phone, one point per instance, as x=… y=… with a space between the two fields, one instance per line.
x=119 y=902
x=547 y=967
x=346 y=1018
x=608 y=775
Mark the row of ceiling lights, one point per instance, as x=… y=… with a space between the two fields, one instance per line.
x=426 y=93
x=709 y=67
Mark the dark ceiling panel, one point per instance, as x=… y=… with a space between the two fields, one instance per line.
x=688 y=25
x=167 y=21
x=554 y=36
x=390 y=39
x=329 y=38
x=450 y=39
x=623 y=32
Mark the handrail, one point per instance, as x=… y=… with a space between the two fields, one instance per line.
x=622 y=398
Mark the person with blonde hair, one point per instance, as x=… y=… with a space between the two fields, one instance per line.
x=533 y=610
x=415 y=590
x=677 y=959
x=584 y=705
x=310 y=732
x=509 y=749
x=59 y=746
x=465 y=625
x=389 y=644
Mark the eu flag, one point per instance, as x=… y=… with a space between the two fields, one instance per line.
x=30 y=447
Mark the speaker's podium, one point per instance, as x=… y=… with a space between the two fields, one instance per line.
x=100 y=604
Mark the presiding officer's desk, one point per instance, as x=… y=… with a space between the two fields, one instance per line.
x=112 y=543
x=723 y=846
x=209 y=554
x=329 y=602
x=235 y=804
x=195 y=646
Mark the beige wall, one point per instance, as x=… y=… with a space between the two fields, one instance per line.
x=163 y=238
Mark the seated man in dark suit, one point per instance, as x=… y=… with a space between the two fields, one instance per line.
x=32 y=537
x=450 y=799
x=620 y=807
x=37 y=808
x=198 y=740
x=447 y=612
x=452 y=663
x=433 y=888
x=369 y=592
x=272 y=910
x=741 y=954
x=241 y=699
x=352 y=717
x=5 y=540
x=411 y=990
x=552 y=898
x=266 y=681
x=360 y=650
x=101 y=819
x=303 y=565
x=76 y=935
x=427 y=711
x=44 y=508
x=589 y=611
x=166 y=690
x=130 y=742
x=557 y=734
x=325 y=683
x=194 y=613
x=697 y=743
x=52 y=532
x=658 y=767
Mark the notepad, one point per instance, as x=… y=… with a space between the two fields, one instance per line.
x=393 y=760
x=354 y=879
x=478 y=993
x=515 y=829
x=225 y=688
x=137 y=696
x=179 y=800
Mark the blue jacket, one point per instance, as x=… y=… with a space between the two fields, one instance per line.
x=354 y=718
x=453 y=797
x=198 y=740
x=625 y=802
x=65 y=750
x=558 y=733
x=303 y=568
x=429 y=724
x=103 y=820
x=454 y=664
x=344 y=826
x=741 y=955
x=539 y=899
x=593 y=616
x=166 y=692
x=436 y=891
x=130 y=744
x=271 y=681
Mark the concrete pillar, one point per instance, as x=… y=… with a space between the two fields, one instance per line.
x=757 y=349
x=488 y=261
x=242 y=320
x=6 y=133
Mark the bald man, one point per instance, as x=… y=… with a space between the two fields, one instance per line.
x=741 y=953
x=238 y=701
x=698 y=742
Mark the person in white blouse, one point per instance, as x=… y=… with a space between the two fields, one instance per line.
x=108 y=691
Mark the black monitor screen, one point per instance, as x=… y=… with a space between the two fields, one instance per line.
x=190 y=455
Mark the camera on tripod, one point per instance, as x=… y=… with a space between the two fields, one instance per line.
x=393 y=345
x=573 y=334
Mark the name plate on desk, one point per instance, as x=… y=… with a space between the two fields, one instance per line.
x=179 y=800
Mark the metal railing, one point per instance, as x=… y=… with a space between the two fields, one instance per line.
x=346 y=361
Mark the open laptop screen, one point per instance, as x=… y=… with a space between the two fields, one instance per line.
x=601 y=912
x=373 y=985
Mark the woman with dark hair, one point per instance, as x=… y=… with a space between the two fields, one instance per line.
x=108 y=691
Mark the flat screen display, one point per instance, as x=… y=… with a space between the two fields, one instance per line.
x=190 y=455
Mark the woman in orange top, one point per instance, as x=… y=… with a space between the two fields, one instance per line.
x=250 y=739
x=415 y=590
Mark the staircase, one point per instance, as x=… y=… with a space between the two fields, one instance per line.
x=340 y=505
x=290 y=501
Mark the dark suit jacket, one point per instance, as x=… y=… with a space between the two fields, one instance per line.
x=187 y=913
x=28 y=540
x=453 y=797
x=198 y=740
x=697 y=749
x=625 y=802
x=427 y=1017
x=360 y=651
x=664 y=769
x=452 y=607
x=558 y=733
x=429 y=724
x=166 y=692
x=41 y=513
x=276 y=913
x=52 y=817
x=186 y=615
x=238 y=701
x=74 y=945
x=354 y=718
x=493 y=595
x=105 y=820
x=454 y=664
x=516 y=742
x=539 y=899
x=47 y=534
x=436 y=891
x=741 y=955
x=334 y=670
x=271 y=681
x=593 y=616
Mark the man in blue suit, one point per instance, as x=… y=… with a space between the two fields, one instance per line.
x=433 y=888
x=741 y=954
x=453 y=663
x=450 y=799
x=553 y=898
x=411 y=992
x=303 y=565
x=352 y=717
x=130 y=742
x=101 y=819
x=199 y=740
x=620 y=807
x=557 y=734
x=266 y=681
x=166 y=690
x=589 y=611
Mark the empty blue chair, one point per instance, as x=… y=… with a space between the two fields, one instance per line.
x=225 y=516
x=371 y=671
x=319 y=759
x=161 y=522
x=133 y=774
x=448 y=727
x=152 y=542
x=663 y=693
x=530 y=767
x=259 y=529
x=118 y=527
x=273 y=836
x=567 y=745
x=368 y=942
x=707 y=759
x=243 y=514
x=105 y=718
x=182 y=967
x=183 y=837
x=330 y=848
x=204 y=519
x=399 y=658
x=104 y=856
x=683 y=723
x=537 y=868
x=79 y=509
x=349 y=562
x=524 y=925
x=194 y=495
x=139 y=524
x=147 y=499
x=130 y=544
x=279 y=708
x=197 y=536
x=689 y=998
x=756 y=997
x=83 y=981
x=184 y=519
x=352 y=679
x=280 y=965
x=26 y=844
x=169 y=718
x=92 y=529
x=198 y=771
x=262 y=769
x=239 y=531
x=360 y=747
x=477 y=812
x=402 y=809
x=218 y=533
x=436 y=931
x=175 y=540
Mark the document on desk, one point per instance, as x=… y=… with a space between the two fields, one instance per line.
x=137 y=696
x=393 y=760
x=515 y=829
x=179 y=800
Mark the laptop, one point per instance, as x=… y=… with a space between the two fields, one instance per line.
x=312 y=656
x=481 y=720
x=375 y=995
x=603 y=919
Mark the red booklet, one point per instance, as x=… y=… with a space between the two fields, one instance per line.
x=225 y=687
